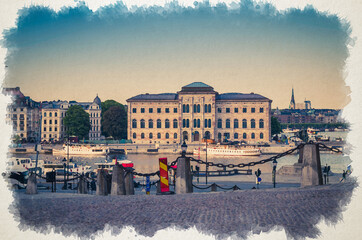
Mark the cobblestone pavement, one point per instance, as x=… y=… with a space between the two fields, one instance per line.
x=297 y=210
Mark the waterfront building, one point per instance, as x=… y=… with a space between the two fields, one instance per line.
x=23 y=114
x=197 y=112
x=290 y=116
x=53 y=113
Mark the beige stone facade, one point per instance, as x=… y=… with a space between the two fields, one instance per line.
x=197 y=112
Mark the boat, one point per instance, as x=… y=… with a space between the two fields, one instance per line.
x=312 y=131
x=71 y=168
x=290 y=130
x=109 y=165
x=228 y=151
x=81 y=149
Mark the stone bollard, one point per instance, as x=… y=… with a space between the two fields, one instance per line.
x=128 y=182
x=213 y=187
x=102 y=188
x=31 y=187
x=183 y=176
x=158 y=186
x=311 y=171
x=118 y=186
x=82 y=185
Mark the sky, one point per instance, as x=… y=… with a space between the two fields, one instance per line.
x=119 y=52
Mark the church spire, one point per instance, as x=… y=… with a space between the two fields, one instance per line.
x=292 y=101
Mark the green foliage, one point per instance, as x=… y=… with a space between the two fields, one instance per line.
x=109 y=103
x=16 y=139
x=114 y=122
x=275 y=126
x=77 y=122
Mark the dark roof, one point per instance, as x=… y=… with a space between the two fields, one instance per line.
x=97 y=100
x=240 y=96
x=161 y=96
x=197 y=87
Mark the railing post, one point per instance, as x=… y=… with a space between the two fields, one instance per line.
x=213 y=187
x=118 y=185
x=311 y=166
x=128 y=182
x=183 y=176
x=82 y=185
x=31 y=187
x=102 y=188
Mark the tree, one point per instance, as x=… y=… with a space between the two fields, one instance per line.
x=77 y=122
x=275 y=126
x=109 y=103
x=114 y=122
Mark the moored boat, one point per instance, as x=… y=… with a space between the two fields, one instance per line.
x=81 y=149
x=229 y=151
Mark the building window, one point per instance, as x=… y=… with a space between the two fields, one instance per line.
x=142 y=135
x=195 y=123
x=183 y=108
x=183 y=123
x=198 y=123
x=134 y=135
x=55 y=114
x=21 y=109
x=142 y=110
x=175 y=135
x=209 y=108
x=252 y=123
x=158 y=123
x=50 y=121
x=159 y=135
x=158 y=110
x=150 y=123
x=150 y=110
x=219 y=110
x=134 y=110
x=45 y=129
x=175 y=110
x=236 y=136
x=261 y=123
x=253 y=136
x=236 y=123
x=50 y=114
x=219 y=136
x=245 y=123
x=244 y=135
x=253 y=110
x=209 y=123
x=50 y=129
x=175 y=123
x=45 y=114
x=56 y=129
x=187 y=108
x=143 y=123
x=195 y=110
x=150 y=136
x=187 y=123
x=167 y=136
x=219 y=123
x=236 y=110
x=261 y=136
x=45 y=135
x=261 y=110
x=205 y=108
x=45 y=121
x=227 y=110
x=167 y=110
x=167 y=123
x=55 y=121
x=198 y=108
x=134 y=123
x=205 y=123
x=244 y=110
x=227 y=123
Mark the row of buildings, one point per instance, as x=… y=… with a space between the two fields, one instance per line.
x=43 y=121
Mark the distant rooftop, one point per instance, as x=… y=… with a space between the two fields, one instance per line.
x=197 y=87
x=240 y=96
x=161 y=96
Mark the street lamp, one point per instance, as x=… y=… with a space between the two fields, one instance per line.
x=275 y=163
x=65 y=166
x=183 y=149
x=207 y=166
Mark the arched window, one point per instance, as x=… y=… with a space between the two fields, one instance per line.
x=209 y=108
x=205 y=108
x=175 y=135
x=195 y=123
x=195 y=110
x=227 y=123
x=209 y=123
x=261 y=135
x=219 y=136
x=142 y=123
x=207 y=135
x=236 y=136
x=253 y=136
x=187 y=108
x=150 y=135
x=158 y=123
x=175 y=123
x=142 y=135
x=244 y=135
x=183 y=123
x=245 y=123
x=134 y=123
x=236 y=123
x=261 y=123
x=252 y=123
x=158 y=135
x=187 y=123
x=150 y=123
x=183 y=108
x=205 y=123
x=167 y=136
x=198 y=108
x=134 y=135
x=167 y=123
x=198 y=123
x=219 y=123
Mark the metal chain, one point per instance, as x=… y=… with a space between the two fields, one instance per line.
x=333 y=149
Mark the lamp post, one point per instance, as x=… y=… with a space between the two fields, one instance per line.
x=65 y=180
x=207 y=166
x=275 y=163
x=183 y=149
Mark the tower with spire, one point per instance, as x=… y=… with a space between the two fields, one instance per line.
x=292 y=101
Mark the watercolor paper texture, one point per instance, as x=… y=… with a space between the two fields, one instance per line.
x=120 y=50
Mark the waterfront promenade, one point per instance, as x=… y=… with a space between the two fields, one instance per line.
x=237 y=213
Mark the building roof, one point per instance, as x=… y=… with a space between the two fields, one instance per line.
x=197 y=87
x=161 y=96
x=97 y=100
x=240 y=96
